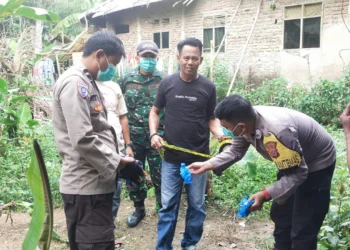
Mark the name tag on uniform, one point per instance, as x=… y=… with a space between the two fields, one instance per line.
x=134 y=86
x=282 y=156
x=153 y=86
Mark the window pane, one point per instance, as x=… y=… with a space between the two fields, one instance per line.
x=121 y=29
x=292 y=12
x=166 y=20
x=156 y=39
x=311 y=32
x=219 y=35
x=207 y=36
x=292 y=34
x=165 y=40
x=208 y=22
x=219 y=21
x=312 y=10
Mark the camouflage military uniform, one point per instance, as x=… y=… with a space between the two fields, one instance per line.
x=139 y=93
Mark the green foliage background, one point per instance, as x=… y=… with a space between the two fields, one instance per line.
x=324 y=102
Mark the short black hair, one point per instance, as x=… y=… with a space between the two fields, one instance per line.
x=235 y=108
x=105 y=40
x=194 y=42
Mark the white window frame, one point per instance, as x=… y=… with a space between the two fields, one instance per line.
x=213 y=28
x=302 y=24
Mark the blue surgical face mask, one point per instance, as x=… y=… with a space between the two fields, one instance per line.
x=108 y=74
x=228 y=133
x=148 y=64
x=231 y=133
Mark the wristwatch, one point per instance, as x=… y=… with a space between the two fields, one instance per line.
x=129 y=145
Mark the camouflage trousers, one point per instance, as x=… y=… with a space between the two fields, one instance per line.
x=142 y=152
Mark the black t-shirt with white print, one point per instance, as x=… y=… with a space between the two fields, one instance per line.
x=188 y=108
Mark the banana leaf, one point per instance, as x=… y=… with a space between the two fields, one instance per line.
x=8 y=7
x=66 y=23
x=41 y=225
x=15 y=8
x=23 y=113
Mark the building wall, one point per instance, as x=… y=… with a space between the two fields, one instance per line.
x=265 y=56
x=141 y=26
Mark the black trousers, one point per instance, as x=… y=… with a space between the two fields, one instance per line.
x=298 y=221
x=89 y=221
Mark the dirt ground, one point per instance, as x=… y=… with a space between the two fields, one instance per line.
x=220 y=230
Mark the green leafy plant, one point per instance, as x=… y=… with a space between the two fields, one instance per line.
x=327 y=100
x=15 y=112
x=15 y=8
x=66 y=23
x=222 y=77
x=14 y=165
x=41 y=224
x=335 y=232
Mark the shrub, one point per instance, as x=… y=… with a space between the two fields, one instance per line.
x=327 y=100
x=324 y=102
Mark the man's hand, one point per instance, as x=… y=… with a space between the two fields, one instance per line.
x=259 y=199
x=200 y=167
x=124 y=161
x=132 y=171
x=129 y=151
x=222 y=137
x=345 y=118
x=157 y=142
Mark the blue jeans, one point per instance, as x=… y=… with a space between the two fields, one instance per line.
x=116 y=198
x=171 y=196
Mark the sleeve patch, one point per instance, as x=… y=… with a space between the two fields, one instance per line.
x=82 y=89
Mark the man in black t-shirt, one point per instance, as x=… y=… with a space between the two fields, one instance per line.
x=189 y=100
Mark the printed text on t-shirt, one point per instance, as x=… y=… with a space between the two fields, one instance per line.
x=190 y=98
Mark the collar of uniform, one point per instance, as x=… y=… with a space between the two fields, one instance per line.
x=80 y=65
x=156 y=73
x=82 y=68
x=260 y=126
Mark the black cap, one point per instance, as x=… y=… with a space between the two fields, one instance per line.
x=147 y=47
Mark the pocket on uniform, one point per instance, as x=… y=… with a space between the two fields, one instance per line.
x=94 y=234
x=101 y=212
x=96 y=108
x=68 y=198
x=130 y=98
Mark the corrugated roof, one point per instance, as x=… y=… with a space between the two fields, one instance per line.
x=111 y=6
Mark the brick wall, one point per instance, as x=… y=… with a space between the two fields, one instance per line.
x=264 y=56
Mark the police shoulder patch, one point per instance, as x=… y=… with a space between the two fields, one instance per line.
x=82 y=89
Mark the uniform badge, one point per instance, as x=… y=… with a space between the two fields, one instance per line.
x=98 y=107
x=283 y=157
x=82 y=89
x=272 y=149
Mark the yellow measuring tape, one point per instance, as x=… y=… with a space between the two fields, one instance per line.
x=188 y=151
